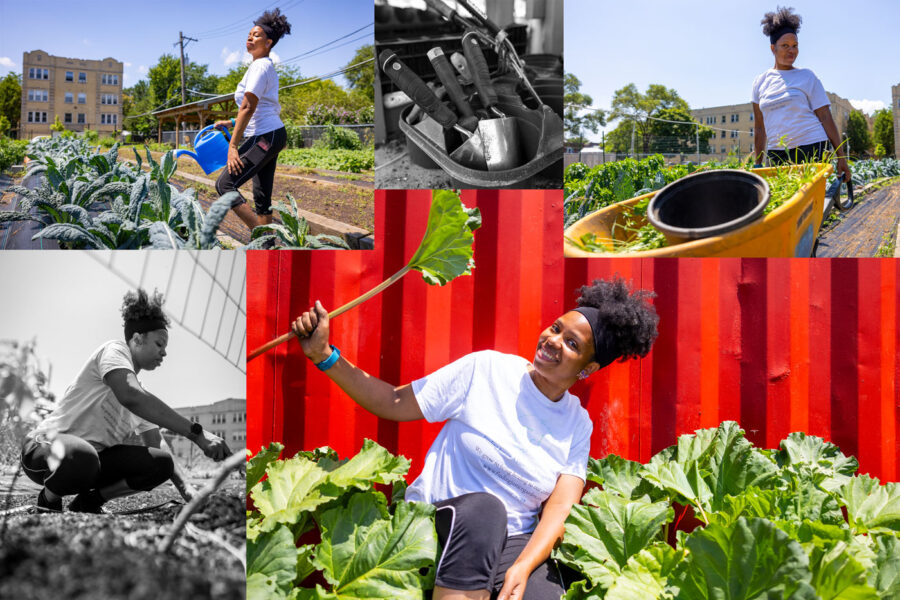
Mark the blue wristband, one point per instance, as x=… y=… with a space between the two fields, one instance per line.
x=232 y=122
x=329 y=362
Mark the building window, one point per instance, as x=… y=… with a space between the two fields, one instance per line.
x=82 y=99
x=82 y=77
x=35 y=95
x=81 y=118
x=723 y=118
x=38 y=73
x=70 y=76
x=109 y=79
x=723 y=134
x=751 y=116
x=68 y=118
x=69 y=98
x=751 y=133
x=109 y=99
x=723 y=149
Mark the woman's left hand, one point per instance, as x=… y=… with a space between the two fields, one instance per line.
x=844 y=169
x=235 y=166
x=514 y=583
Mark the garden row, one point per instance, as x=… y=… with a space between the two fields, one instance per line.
x=91 y=200
x=795 y=522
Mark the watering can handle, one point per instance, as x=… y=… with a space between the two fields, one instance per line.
x=479 y=68
x=203 y=131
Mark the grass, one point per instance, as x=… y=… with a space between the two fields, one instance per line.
x=888 y=245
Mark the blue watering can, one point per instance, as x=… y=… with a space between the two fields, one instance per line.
x=211 y=149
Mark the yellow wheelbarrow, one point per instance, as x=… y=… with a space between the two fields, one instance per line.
x=789 y=230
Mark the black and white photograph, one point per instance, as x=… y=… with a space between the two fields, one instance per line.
x=468 y=94
x=122 y=425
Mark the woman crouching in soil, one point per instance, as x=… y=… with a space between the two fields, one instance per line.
x=79 y=448
x=511 y=460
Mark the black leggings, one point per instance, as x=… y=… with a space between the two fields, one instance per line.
x=70 y=465
x=259 y=154
x=477 y=552
x=805 y=153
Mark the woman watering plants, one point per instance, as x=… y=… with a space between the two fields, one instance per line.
x=259 y=135
x=792 y=120
x=79 y=448
x=510 y=462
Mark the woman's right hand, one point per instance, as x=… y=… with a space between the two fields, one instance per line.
x=213 y=446
x=311 y=328
x=222 y=124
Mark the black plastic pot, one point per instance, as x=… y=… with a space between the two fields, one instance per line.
x=708 y=204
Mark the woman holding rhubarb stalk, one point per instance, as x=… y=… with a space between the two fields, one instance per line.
x=81 y=447
x=791 y=116
x=510 y=462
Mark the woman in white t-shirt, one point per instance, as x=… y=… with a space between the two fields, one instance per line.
x=259 y=135
x=792 y=119
x=80 y=448
x=510 y=461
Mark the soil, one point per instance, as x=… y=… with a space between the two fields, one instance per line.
x=113 y=555
x=863 y=229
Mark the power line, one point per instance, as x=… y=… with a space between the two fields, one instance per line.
x=308 y=52
x=242 y=22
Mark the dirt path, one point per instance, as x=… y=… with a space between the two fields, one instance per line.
x=112 y=556
x=863 y=229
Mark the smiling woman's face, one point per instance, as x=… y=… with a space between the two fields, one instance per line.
x=564 y=349
x=785 y=51
x=258 y=45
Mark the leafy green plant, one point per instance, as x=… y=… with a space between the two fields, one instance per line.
x=369 y=547
x=772 y=524
x=349 y=161
x=292 y=232
x=12 y=152
x=444 y=253
x=338 y=138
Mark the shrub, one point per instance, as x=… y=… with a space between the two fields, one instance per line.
x=349 y=161
x=320 y=114
x=108 y=142
x=338 y=138
x=93 y=137
x=294 y=134
x=12 y=152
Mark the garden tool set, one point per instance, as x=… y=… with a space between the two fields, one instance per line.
x=490 y=137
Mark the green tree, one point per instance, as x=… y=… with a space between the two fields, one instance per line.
x=884 y=130
x=136 y=101
x=11 y=98
x=632 y=106
x=858 y=134
x=165 y=80
x=619 y=139
x=677 y=137
x=362 y=80
x=57 y=125
x=576 y=119
x=4 y=125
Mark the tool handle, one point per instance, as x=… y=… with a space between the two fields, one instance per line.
x=404 y=78
x=440 y=7
x=446 y=74
x=479 y=69
x=485 y=22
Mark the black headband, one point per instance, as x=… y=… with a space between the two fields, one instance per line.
x=605 y=351
x=776 y=35
x=143 y=326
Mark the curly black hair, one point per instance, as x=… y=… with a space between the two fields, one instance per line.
x=627 y=315
x=139 y=305
x=784 y=16
x=274 y=21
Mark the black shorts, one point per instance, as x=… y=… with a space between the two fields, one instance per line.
x=259 y=155
x=476 y=551
x=805 y=153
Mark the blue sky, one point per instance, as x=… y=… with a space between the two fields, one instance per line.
x=138 y=33
x=710 y=51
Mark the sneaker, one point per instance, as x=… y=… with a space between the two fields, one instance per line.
x=87 y=502
x=45 y=505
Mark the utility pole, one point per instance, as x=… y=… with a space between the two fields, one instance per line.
x=182 y=39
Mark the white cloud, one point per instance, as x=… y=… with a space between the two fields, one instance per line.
x=7 y=62
x=142 y=69
x=275 y=58
x=87 y=42
x=868 y=106
x=127 y=64
x=229 y=57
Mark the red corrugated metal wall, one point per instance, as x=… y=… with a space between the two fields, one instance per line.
x=778 y=345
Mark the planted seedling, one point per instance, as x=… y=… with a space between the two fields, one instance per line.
x=444 y=253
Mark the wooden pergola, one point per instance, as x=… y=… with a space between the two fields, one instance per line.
x=219 y=107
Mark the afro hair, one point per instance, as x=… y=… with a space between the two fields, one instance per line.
x=277 y=22
x=784 y=16
x=139 y=305
x=627 y=315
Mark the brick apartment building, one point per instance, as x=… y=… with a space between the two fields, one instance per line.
x=225 y=418
x=86 y=94
x=733 y=124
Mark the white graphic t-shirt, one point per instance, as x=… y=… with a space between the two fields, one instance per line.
x=502 y=436
x=89 y=409
x=787 y=100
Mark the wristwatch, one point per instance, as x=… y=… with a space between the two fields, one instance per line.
x=196 y=429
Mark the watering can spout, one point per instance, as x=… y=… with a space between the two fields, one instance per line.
x=186 y=153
